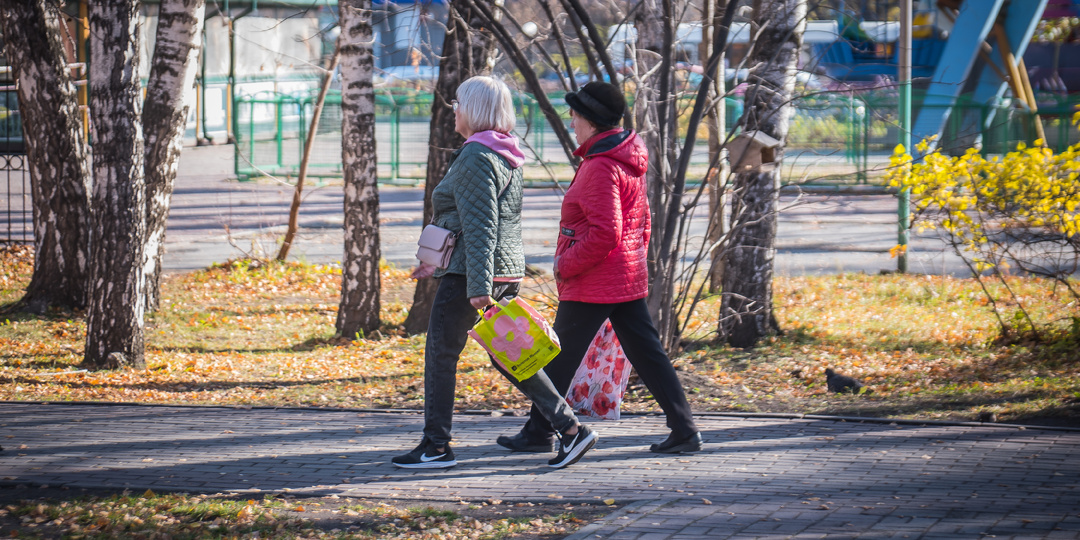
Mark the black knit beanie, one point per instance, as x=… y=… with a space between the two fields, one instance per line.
x=601 y=103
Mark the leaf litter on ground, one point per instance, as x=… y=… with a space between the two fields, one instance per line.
x=253 y=332
x=82 y=513
x=250 y=333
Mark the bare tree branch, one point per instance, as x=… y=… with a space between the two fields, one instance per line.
x=531 y=81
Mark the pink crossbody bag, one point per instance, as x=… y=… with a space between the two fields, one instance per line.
x=436 y=244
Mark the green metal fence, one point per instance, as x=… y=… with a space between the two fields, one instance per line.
x=831 y=124
x=270 y=129
x=848 y=129
x=993 y=128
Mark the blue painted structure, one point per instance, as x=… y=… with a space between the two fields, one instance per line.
x=960 y=70
x=843 y=61
x=953 y=66
x=409 y=32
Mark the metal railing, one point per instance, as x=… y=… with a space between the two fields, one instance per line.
x=16 y=208
x=271 y=127
x=993 y=128
x=845 y=128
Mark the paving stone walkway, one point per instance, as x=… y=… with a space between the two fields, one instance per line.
x=757 y=477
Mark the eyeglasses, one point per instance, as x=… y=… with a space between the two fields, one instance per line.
x=454 y=104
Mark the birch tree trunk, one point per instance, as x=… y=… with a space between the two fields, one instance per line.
x=465 y=54
x=168 y=93
x=358 y=312
x=746 y=309
x=114 y=322
x=57 y=155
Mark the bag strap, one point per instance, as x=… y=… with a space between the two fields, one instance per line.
x=504 y=188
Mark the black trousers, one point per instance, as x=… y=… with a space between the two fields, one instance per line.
x=576 y=323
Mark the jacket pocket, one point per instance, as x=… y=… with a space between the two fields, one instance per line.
x=566 y=239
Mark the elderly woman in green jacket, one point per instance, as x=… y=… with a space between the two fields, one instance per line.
x=480 y=199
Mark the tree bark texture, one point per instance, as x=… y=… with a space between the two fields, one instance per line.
x=57 y=155
x=114 y=326
x=358 y=312
x=746 y=310
x=466 y=52
x=172 y=79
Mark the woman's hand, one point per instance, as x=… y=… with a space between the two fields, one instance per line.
x=555 y=270
x=481 y=302
x=425 y=270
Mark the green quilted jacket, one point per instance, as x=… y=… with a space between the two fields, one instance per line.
x=467 y=201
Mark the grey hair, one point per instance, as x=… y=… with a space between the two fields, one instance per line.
x=485 y=104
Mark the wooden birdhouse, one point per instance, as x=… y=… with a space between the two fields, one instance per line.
x=753 y=151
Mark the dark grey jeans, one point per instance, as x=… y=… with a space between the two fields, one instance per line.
x=451 y=318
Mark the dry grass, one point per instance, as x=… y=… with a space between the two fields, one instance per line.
x=262 y=334
x=71 y=514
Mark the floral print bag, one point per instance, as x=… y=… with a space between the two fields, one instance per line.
x=600 y=381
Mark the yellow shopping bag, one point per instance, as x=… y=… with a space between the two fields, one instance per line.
x=517 y=338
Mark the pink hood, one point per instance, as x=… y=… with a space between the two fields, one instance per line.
x=504 y=144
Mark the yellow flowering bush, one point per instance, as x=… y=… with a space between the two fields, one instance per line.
x=1019 y=211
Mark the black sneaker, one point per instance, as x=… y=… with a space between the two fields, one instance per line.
x=425 y=456
x=522 y=443
x=572 y=447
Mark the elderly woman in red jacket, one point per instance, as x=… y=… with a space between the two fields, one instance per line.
x=601 y=268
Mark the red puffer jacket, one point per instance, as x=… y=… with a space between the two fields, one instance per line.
x=604 y=229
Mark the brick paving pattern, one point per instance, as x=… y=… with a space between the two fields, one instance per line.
x=757 y=477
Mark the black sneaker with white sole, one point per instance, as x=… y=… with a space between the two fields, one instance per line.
x=572 y=447
x=426 y=456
